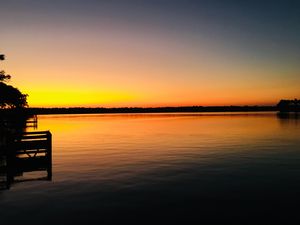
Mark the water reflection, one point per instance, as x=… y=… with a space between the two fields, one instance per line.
x=288 y=118
x=288 y=115
x=211 y=169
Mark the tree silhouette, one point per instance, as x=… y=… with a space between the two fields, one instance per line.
x=289 y=105
x=10 y=97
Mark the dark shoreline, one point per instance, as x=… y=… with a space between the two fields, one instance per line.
x=187 y=109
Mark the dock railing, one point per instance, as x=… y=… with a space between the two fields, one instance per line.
x=29 y=152
x=33 y=150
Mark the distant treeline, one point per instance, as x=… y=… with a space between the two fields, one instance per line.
x=82 y=110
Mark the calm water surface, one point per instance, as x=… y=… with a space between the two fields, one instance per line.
x=161 y=168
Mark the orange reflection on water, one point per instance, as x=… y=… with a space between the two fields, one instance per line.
x=87 y=145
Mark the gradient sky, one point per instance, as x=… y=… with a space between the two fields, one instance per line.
x=152 y=53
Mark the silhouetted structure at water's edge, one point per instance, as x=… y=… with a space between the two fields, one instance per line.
x=289 y=105
x=20 y=151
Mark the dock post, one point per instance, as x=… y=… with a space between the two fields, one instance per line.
x=49 y=155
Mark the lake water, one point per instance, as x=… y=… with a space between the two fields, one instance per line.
x=213 y=168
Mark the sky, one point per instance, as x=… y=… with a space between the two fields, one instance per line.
x=117 y=53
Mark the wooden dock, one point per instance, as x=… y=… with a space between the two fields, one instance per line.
x=32 y=122
x=32 y=151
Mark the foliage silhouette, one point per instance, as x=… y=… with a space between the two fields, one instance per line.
x=289 y=105
x=10 y=97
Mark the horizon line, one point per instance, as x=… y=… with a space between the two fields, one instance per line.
x=146 y=107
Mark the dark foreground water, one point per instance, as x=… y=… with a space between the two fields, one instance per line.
x=164 y=168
